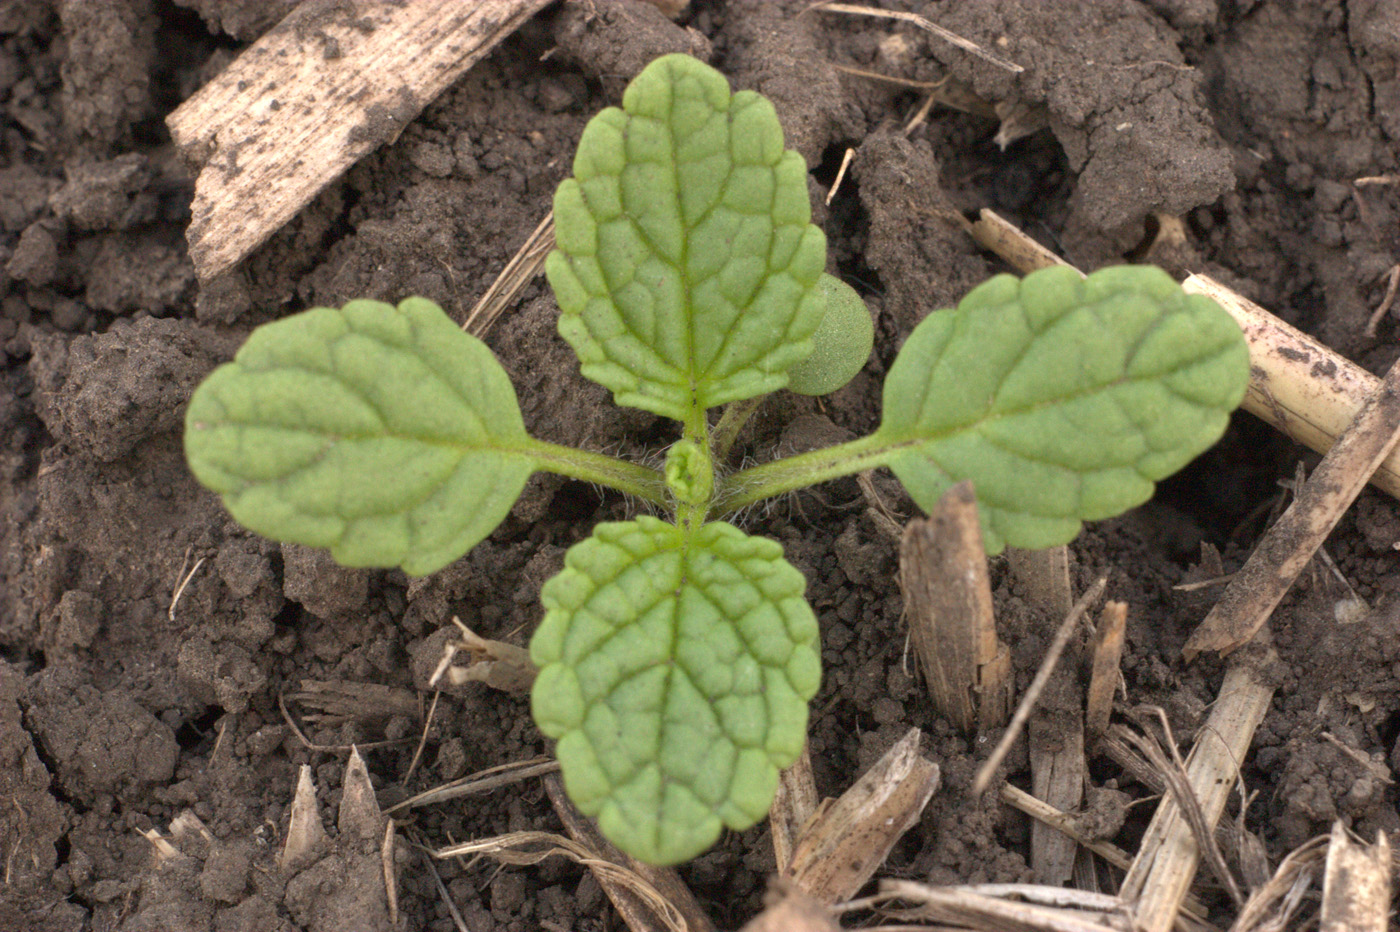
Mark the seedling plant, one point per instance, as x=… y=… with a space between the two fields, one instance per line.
x=677 y=654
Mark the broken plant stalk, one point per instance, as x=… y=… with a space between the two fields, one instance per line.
x=1312 y=394
x=1356 y=884
x=793 y=806
x=1293 y=540
x=1108 y=653
x=1055 y=732
x=1305 y=389
x=668 y=903
x=1042 y=676
x=848 y=838
x=948 y=604
x=499 y=665
x=1170 y=853
x=269 y=133
x=1043 y=812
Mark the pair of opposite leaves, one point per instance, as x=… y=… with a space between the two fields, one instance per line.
x=676 y=661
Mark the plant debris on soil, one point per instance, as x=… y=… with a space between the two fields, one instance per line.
x=170 y=683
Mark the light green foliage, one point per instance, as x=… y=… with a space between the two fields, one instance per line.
x=387 y=435
x=677 y=657
x=675 y=670
x=686 y=263
x=690 y=473
x=1064 y=399
x=840 y=345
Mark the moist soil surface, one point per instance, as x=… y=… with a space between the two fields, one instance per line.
x=158 y=662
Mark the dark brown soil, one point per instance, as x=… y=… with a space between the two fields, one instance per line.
x=121 y=708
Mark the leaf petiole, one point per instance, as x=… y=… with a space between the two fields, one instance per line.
x=642 y=482
x=797 y=472
x=736 y=415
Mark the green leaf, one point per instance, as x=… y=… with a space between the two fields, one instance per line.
x=1064 y=399
x=841 y=343
x=686 y=263
x=387 y=435
x=675 y=670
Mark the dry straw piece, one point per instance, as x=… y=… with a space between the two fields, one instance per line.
x=848 y=839
x=1324 y=401
x=1305 y=389
x=327 y=85
x=1356 y=884
x=925 y=24
x=1296 y=537
x=948 y=603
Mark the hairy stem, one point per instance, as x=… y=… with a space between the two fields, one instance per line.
x=642 y=482
x=736 y=415
x=797 y=472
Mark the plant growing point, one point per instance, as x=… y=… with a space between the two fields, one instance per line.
x=677 y=656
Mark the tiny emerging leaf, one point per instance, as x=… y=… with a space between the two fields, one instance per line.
x=686 y=264
x=1063 y=398
x=675 y=670
x=841 y=344
x=386 y=434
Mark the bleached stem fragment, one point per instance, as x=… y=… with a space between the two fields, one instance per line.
x=788 y=909
x=1108 y=653
x=1305 y=389
x=948 y=602
x=1356 y=884
x=324 y=87
x=648 y=898
x=1169 y=855
x=1056 y=729
x=305 y=833
x=1294 y=539
x=359 y=809
x=850 y=837
x=793 y=805
x=1044 y=576
x=497 y=664
x=1042 y=676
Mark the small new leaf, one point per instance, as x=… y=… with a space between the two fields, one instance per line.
x=385 y=434
x=689 y=473
x=1063 y=398
x=675 y=670
x=841 y=343
x=686 y=263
